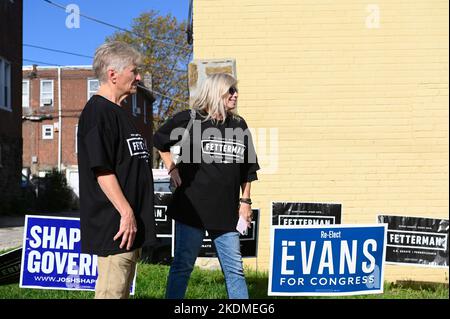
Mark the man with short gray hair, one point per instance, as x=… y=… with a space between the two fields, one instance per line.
x=116 y=182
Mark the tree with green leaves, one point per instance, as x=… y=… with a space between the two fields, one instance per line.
x=162 y=40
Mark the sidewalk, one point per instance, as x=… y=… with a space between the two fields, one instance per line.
x=11 y=228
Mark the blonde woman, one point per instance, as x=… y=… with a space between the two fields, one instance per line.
x=218 y=162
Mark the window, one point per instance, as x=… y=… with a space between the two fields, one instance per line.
x=26 y=93
x=5 y=85
x=47 y=132
x=92 y=87
x=46 y=93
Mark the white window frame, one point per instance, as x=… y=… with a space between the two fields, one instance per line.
x=44 y=130
x=5 y=85
x=52 y=93
x=26 y=98
x=76 y=139
x=89 y=92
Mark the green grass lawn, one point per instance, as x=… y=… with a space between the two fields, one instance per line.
x=209 y=284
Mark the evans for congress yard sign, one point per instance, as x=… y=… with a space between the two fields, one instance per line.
x=327 y=260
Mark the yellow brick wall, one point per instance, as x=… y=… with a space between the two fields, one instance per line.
x=361 y=112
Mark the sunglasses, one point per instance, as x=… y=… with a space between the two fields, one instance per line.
x=232 y=90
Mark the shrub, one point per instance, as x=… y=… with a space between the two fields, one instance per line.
x=54 y=193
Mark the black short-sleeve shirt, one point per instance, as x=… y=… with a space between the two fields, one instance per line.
x=107 y=139
x=220 y=159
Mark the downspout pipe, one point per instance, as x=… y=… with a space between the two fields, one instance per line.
x=59 y=120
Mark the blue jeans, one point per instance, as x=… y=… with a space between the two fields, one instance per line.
x=187 y=246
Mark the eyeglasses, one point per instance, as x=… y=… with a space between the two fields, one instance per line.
x=232 y=90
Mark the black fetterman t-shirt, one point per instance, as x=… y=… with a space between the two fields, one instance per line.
x=107 y=139
x=221 y=158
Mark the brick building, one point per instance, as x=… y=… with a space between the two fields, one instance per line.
x=357 y=97
x=10 y=108
x=50 y=131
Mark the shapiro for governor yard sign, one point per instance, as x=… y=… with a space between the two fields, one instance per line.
x=327 y=260
x=52 y=258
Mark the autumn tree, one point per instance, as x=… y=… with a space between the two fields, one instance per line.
x=162 y=40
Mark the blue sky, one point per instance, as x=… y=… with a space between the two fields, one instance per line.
x=45 y=25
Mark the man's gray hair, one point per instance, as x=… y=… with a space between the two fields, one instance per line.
x=115 y=55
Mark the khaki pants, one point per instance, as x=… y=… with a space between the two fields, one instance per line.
x=115 y=275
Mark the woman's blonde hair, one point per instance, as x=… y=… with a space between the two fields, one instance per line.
x=212 y=96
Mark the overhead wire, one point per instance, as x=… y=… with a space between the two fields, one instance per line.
x=40 y=62
x=117 y=27
x=87 y=56
x=56 y=50
x=141 y=86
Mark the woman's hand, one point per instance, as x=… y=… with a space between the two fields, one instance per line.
x=245 y=211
